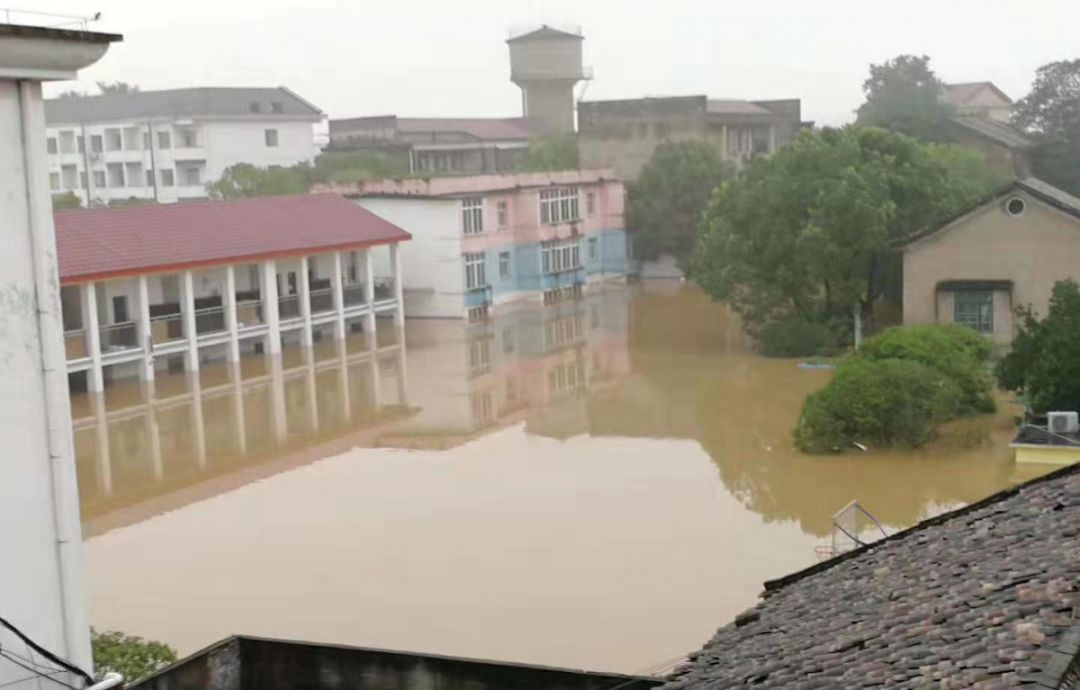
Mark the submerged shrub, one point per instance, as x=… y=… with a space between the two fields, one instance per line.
x=956 y=351
x=880 y=402
x=796 y=337
x=130 y=656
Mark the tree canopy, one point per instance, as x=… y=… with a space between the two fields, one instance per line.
x=664 y=205
x=812 y=231
x=246 y=180
x=904 y=95
x=1051 y=113
x=558 y=152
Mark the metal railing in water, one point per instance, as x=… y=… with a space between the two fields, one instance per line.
x=249 y=313
x=289 y=306
x=322 y=300
x=166 y=328
x=353 y=294
x=75 y=346
x=118 y=336
x=209 y=320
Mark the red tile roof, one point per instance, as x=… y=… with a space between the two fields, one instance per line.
x=103 y=243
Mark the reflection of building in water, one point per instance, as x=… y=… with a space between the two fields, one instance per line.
x=183 y=440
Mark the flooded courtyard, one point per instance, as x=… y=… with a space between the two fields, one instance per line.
x=598 y=484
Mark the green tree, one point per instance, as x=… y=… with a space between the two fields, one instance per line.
x=245 y=180
x=1044 y=362
x=355 y=166
x=664 y=205
x=66 y=201
x=1051 y=113
x=811 y=232
x=110 y=87
x=904 y=95
x=559 y=152
x=130 y=656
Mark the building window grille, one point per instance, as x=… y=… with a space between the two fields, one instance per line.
x=472 y=215
x=271 y=137
x=505 y=272
x=559 y=205
x=974 y=308
x=560 y=255
x=475 y=274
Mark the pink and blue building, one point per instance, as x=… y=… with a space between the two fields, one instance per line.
x=481 y=242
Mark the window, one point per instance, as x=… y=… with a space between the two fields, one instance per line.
x=50 y=144
x=69 y=177
x=116 y=174
x=560 y=255
x=277 y=107
x=96 y=145
x=164 y=140
x=133 y=174
x=114 y=140
x=479 y=356
x=474 y=271
x=54 y=181
x=150 y=177
x=186 y=138
x=593 y=249
x=270 y=136
x=590 y=204
x=82 y=180
x=80 y=143
x=508 y=340
x=974 y=308
x=67 y=142
x=190 y=176
x=504 y=266
x=132 y=138
x=168 y=179
x=559 y=205
x=503 y=214
x=254 y=107
x=146 y=140
x=472 y=215
x=478 y=313
x=99 y=178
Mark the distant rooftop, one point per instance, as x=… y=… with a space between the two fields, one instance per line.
x=481 y=128
x=962 y=94
x=995 y=130
x=546 y=31
x=200 y=102
x=983 y=597
x=735 y=107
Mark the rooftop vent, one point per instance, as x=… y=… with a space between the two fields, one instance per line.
x=1015 y=206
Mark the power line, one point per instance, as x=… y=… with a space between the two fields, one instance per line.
x=36 y=672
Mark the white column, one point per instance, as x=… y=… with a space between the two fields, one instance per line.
x=94 y=380
x=142 y=328
x=395 y=263
x=369 y=290
x=187 y=312
x=232 y=351
x=269 y=295
x=339 y=297
x=302 y=278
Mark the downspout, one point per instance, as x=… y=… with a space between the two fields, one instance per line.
x=57 y=412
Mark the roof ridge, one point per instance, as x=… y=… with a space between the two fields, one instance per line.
x=194 y=202
x=775 y=585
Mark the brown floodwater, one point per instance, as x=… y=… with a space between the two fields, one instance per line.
x=598 y=484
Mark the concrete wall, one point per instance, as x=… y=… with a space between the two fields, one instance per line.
x=244 y=141
x=1034 y=251
x=258 y=664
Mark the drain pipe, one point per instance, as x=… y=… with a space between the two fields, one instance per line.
x=111 y=680
x=57 y=412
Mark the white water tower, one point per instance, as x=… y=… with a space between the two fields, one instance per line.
x=546 y=63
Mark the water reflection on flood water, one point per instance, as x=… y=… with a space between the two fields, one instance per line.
x=599 y=484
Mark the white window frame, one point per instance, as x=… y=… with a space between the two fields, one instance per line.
x=559 y=205
x=270 y=137
x=975 y=310
x=560 y=256
x=475 y=271
x=503 y=213
x=506 y=268
x=472 y=215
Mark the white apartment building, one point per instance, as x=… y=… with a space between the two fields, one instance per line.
x=167 y=145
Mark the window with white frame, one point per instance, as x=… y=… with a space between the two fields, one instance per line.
x=559 y=205
x=594 y=249
x=590 y=204
x=472 y=215
x=505 y=272
x=974 y=308
x=271 y=137
x=503 y=214
x=50 y=145
x=475 y=274
x=54 y=181
x=560 y=255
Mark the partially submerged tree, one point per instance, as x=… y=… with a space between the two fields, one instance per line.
x=811 y=232
x=664 y=205
x=130 y=656
x=904 y=95
x=1051 y=113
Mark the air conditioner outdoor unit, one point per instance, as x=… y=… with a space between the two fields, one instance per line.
x=1063 y=422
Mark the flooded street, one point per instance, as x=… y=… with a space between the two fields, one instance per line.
x=599 y=484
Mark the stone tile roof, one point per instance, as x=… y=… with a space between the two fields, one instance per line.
x=202 y=102
x=1000 y=132
x=963 y=94
x=984 y=597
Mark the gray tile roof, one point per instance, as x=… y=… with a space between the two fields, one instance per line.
x=203 y=102
x=1000 y=132
x=983 y=597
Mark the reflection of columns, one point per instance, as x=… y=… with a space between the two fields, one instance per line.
x=339 y=297
x=376 y=383
x=104 y=460
x=369 y=290
x=305 y=302
x=153 y=435
x=142 y=328
x=277 y=399
x=94 y=381
x=403 y=372
x=395 y=263
x=270 y=307
x=239 y=420
x=198 y=422
x=312 y=392
x=187 y=308
x=343 y=382
x=232 y=348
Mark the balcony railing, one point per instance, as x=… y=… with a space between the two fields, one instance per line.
x=209 y=320
x=75 y=344
x=249 y=313
x=289 y=306
x=118 y=336
x=166 y=328
x=353 y=294
x=383 y=291
x=322 y=300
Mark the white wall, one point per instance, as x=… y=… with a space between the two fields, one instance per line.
x=33 y=572
x=434 y=281
x=244 y=141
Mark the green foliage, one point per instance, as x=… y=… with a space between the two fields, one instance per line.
x=1058 y=162
x=665 y=204
x=245 y=180
x=1051 y=113
x=796 y=337
x=66 y=201
x=559 y=152
x=356 y=165
x=956 y=351
x=881 y=402
x=904 y=95
x=811 y=232
x=130 y=656
x=1044 y=363
x=970 y=176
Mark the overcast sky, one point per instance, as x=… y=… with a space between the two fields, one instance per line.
x=448 y=57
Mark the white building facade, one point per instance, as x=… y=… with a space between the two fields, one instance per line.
x=168 y=145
